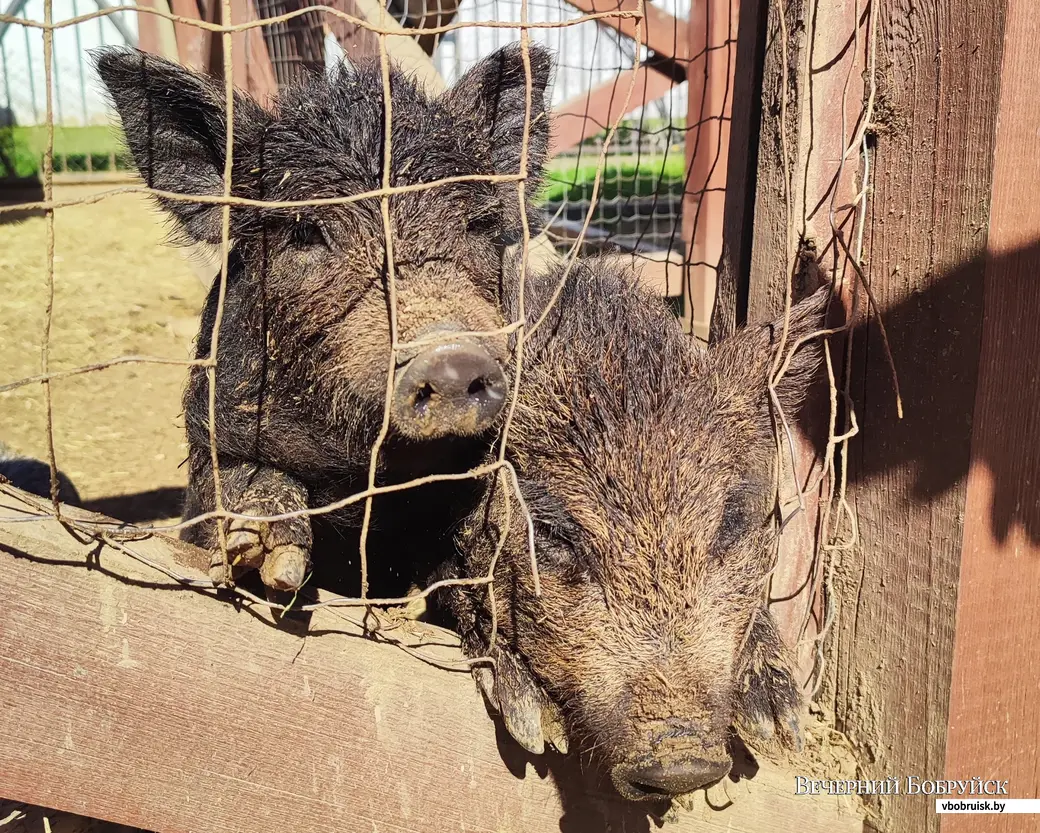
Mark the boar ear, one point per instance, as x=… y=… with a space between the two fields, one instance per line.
x=175 y=127
x=749 y=354
x=493 y=96
x=807 y=317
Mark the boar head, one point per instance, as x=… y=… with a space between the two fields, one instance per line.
x=647 y=465
x=321 y=271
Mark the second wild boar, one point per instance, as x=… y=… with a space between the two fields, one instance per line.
x=647 y=464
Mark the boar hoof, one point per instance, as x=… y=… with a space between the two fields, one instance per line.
x=284 y=568
x=271 y=547
x=770 y=709
x=244 y=545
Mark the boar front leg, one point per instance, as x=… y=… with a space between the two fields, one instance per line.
x=768 y=699
x=279 y=549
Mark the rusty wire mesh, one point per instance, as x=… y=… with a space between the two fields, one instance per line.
x=295 y=31
x=121 y=535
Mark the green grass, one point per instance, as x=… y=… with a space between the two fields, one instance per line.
x=24 y=147
x=628 y=176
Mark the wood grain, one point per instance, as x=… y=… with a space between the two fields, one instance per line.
x=130 y=698
x=711 y=34
x=994 y=729
x=730 y=303
x=806 y=83
x=891 y=645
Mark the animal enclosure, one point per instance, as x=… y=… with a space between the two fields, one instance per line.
x=733 y=155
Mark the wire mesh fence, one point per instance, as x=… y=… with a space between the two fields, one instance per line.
x=289 y=29
x=643 y=179
x=638 y=164
x=601 y=50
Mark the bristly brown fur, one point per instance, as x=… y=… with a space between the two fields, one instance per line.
x=647 y=464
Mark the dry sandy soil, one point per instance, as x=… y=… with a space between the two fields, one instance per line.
x=119 y=290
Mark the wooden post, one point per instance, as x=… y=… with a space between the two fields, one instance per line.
x=148 y=31
x=130 y=698
x=250 y=64
x=929 y=145
x=190 y=39
x=994 y=728
x=711 y=33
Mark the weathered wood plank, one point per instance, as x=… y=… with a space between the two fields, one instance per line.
x=729 y=308
x=930 y=147
x=191 y=40
x=130 y=698
x=939 y=65
x=799 y=149
x=711 y=34
x=994 y=729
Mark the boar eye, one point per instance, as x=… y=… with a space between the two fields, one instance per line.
x=307 y=233
x=482 y=223
x=485 y=214
x=736 y=522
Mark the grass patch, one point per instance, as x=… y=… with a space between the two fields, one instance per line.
x=24 y=147
x=627 y=176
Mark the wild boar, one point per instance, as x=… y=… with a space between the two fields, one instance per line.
x=305 y=342
x=647 y=465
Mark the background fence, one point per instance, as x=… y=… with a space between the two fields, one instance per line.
x=643 y=181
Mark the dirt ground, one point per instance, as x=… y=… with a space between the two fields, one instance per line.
x=119 y=290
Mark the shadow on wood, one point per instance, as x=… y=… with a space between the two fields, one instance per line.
x=938 y=381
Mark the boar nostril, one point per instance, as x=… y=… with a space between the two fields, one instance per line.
x=422 y=398
x=658 y=779
x=455 y=388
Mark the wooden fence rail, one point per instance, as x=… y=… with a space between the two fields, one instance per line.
x=128 y=697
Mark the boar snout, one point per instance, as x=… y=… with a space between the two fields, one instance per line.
x=668 y=774
x=455 y=388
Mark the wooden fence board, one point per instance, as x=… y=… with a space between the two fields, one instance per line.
x=930 y=148
x=130 y=698
x=994 y=729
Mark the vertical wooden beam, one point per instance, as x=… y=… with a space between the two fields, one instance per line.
x=994 y=726
x=190 y=39
x=250 y=64
x=261 y=80
x=148 y=31
x=711 y=36
x=801 y=142
x=729 y=303
x=890 y=647
x=156 y=34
